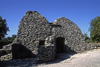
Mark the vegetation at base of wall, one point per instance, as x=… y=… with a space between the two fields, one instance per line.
x=7 y=40
x=3 y=31
x=87 y=39
x=95 y=30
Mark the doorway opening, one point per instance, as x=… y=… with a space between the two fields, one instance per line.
x=60 y=44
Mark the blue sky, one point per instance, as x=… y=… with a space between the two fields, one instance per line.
x=81 y=12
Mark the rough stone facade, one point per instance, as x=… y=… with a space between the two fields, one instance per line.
x=37 y=38
x=45 y=39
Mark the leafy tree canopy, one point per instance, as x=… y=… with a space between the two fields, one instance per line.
x=3 y=28
x=87 y=39
x=7 y=40
x=95 y=29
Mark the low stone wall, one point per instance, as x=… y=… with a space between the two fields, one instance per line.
x=89 y=46
x=46 y=53
x=6 y=57
x=7 y=47
x=4 y=52
x=93 y=46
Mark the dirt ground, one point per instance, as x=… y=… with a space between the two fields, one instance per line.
x=86 y=59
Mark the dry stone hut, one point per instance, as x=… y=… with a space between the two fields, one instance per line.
x=38 y=38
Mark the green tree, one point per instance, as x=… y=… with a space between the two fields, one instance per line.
x=95 y=30
x=13 y=37
x=3 y=28
x=87 y=39
x=7 y=40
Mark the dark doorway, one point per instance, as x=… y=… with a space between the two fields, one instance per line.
x=60 y=45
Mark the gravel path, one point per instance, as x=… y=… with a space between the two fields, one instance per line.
x=86 y=59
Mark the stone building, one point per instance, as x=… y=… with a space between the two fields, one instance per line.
x=38 y=38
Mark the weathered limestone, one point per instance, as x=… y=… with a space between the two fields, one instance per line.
x=6 y=57
x=38 y=38
x=6 y=50
x=43 y=38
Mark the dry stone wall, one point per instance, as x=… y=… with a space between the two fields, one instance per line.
x=33 y=27
x=70 y=31
x=38 y=38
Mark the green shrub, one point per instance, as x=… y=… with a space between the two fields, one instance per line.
x=87 y=41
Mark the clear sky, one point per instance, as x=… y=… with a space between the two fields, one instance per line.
x=81 y=12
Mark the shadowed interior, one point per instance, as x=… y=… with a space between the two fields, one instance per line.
x=60 y=44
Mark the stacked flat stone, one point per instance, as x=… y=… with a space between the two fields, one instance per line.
x=34 y=28
x=71 y=33
x=37 y=38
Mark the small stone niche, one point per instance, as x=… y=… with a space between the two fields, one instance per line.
x=41 y=42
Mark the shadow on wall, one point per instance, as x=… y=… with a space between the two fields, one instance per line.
x=69 y=50
x=63 y=55
x=21 y=52
x=66 y=54
x=61 y=47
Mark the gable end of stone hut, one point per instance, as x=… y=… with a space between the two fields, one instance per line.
x=38 y=38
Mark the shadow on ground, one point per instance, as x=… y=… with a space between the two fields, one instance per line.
x=30 y=62
x=61 y=57
x=19 y=55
